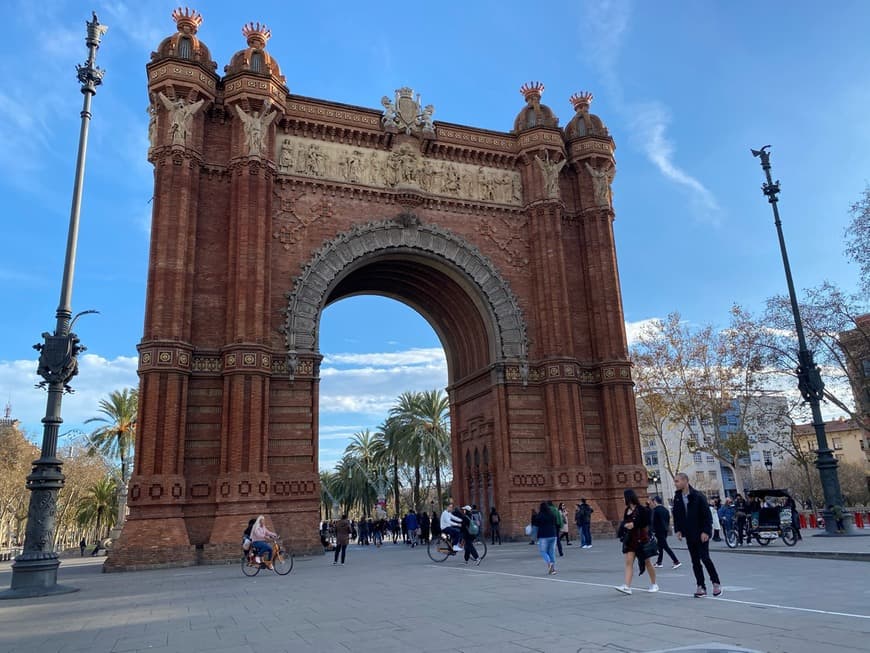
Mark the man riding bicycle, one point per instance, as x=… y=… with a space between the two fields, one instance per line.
x=451 y=525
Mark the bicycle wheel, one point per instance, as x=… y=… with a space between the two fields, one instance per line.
x=439 y=549
x=731 y=539
x=249 y=567
x=283 y=563
x=788 y=536
x=480 y=545
x=763 y=541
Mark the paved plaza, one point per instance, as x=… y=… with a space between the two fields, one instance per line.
x=396 y=599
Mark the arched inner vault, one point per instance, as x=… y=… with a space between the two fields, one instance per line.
x=448 y=281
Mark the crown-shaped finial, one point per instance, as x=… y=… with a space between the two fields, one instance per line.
x=581 y=100
x=532 y=91
x=187 y=19
x=256 y=34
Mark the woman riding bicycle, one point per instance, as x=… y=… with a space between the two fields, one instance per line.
x=259 y=533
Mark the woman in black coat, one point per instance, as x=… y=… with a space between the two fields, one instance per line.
x=635 y=533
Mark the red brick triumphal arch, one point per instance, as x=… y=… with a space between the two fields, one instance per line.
x=269 y=206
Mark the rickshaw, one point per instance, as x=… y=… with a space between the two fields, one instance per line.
x=769 y=523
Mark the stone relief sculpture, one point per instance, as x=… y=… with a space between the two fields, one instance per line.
x=255 y=124
x=550 y=172
x=180 y=117
x=389 y=117
x=152 y=126
x=402 y=167
x=601 y=180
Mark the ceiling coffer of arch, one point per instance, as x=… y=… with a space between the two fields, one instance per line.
x=322 y=272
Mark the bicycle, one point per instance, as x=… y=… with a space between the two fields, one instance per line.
x=282 y=560
x=441 y=548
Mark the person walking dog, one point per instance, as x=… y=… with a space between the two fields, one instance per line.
x=693 y=521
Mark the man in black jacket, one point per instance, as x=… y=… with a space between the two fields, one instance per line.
x=692 y=520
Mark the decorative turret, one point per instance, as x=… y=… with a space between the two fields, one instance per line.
x=184 y=44
x=584 y=123
x=534 y=114
x=254 y=59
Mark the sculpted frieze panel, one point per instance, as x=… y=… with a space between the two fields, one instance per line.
x=404 y=167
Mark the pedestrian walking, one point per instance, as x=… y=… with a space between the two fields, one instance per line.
x=466 y=514
x=693 y=521
x=558 y=515
x=583 y=518
x=795 y=516
x=544 y=521
x=424 y=527
x=533 y=530
x=82 y=546
x=635 y=535
x=342 y=538
x=494 y=525
x=726 y=517
x=564 y=531
x=837 y=512
x=714 y=516
x=412 y=526
x=661 y=519
x=740 y=516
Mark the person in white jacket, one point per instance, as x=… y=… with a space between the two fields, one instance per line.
x=716 y=525
x=450 y=524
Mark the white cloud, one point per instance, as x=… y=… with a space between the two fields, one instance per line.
x=634 y=329
x=97 y=377
x=603 y=31
x=433 y=355
x=649 y=128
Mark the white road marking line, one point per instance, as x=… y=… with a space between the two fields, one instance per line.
x=638 y=589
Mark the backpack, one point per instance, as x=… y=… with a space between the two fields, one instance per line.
x=473 y=528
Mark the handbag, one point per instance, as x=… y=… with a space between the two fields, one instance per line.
x=651 y=547
x=529 y=530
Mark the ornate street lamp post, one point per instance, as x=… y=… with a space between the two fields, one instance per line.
x=768 y=465
x=34 y=572
x=810 y=381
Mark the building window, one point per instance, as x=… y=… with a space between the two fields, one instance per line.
x=257 y=62
x=768 y=457
x=650 y=443
x=697 y=457
x=711 y=458
x=723 y=420
x=755 y=456
x=699 y=477
x=713 y=474
x=763 y=438
x=838 y=443
x=651 y=459
x=185 y=49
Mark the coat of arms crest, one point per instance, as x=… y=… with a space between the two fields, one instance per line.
x=406 y=112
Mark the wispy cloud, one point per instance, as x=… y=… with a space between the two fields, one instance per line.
x=431 y=355
x=604 y=30
x=633 y=330
x=97 y=377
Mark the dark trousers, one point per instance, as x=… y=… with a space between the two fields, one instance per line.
x=342 y=548
x=741 y=530
x=495 y=532
x=700 y=552
x=470 y=551
x=662 y=539
x=559 y=545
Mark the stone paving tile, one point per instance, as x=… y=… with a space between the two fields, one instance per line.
x=130 y=644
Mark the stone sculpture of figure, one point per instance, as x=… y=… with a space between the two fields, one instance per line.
x=285 y=160
x=314 y=161
x=426 y=118
x=601 y=180
x=350 y=166
x=256 y=124
x=180 y=117
x=550 y=171
x=389 y=117
x=152 y=126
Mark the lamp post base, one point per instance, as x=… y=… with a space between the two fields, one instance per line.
x=35 y=577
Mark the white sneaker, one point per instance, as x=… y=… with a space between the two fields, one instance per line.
x=653 y=588
x=625 y=589
x=657 y=565
x=677 y=565
x=457 y=548
x=588 y=546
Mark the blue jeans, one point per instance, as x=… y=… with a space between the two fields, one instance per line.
x=261 y=549
x=585 y=535
x=547 y=547
x=454 y=533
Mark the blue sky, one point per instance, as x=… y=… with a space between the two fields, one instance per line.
x=686 y=88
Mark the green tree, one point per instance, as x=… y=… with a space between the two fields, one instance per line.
x=117 y=438
x=96 y=509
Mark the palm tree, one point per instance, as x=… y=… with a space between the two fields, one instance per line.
x=97 y=508
x=117 y=438
x=432 y=415
x=390 y=435
x=405 y=412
